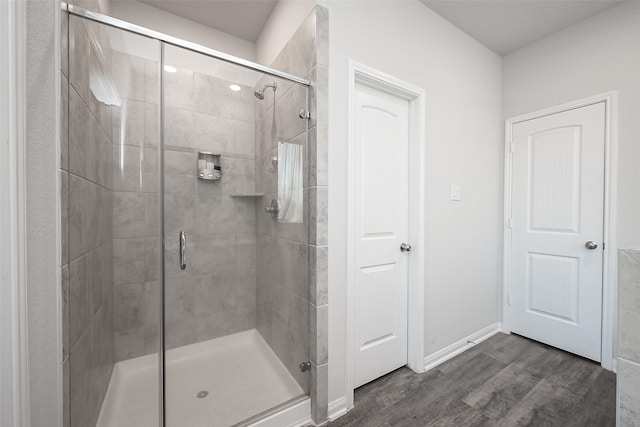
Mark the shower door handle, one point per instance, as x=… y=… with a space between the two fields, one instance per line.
x=183 y=250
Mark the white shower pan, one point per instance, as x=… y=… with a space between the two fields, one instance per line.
x=215 y=383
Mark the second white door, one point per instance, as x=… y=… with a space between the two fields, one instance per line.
x=381 y=124
x=558 y=215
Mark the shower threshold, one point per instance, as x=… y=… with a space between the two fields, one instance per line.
x=219 y=382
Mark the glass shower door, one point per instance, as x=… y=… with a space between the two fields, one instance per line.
x=236 y=294
x=110 y=171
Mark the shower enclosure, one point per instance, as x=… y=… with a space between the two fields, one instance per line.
x=187 y=191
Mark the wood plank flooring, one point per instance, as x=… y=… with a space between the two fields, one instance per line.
x=504 y=381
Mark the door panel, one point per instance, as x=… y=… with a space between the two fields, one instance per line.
x=381 y=210
x=557 y=206
x=555 y=180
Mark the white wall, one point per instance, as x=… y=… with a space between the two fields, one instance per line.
x=153 y=18
x=283 y=22
x=594 y=56
x=42 y=96
x=462 y=80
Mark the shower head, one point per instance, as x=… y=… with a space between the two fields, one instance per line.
x=259 y=93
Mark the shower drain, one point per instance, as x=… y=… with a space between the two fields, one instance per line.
x=202 y=394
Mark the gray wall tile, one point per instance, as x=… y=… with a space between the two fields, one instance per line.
x=180 y=163
x=80 y=364
x=152 y=261
x=128 y=75
x=78 y=300
x=128 y=123
x=318 y=160
x=65 y=293
x=628 y=384
x=318 y=212
x=318 y=96
x=319 y=324
x=64 y=217
x=319 y=392
x=129 y=344
x=179 y=214
x=214 y=293
x=64 y=44
x=179 y=89
x=214 y=214
x=127 y=168
x=151 y=125
x=66 y=393
x=151 y=81
x=318 y=274
x=629 y=393
x=246 y=246
x=629 y=306
x=128 y=215
x=129 y=308
x=181 y=332
x=302 y=47
x=322 y=35
x=179 y=299
x=151 y=215
x=64 y=122
x=79 y=57
x=128 y=260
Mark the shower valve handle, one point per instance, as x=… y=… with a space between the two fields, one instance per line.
x=183 y=250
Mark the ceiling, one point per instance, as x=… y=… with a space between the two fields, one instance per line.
x=501 y=25
x=507 y=25
x=241 y=18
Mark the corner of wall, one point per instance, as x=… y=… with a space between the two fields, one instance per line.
x=284 y=21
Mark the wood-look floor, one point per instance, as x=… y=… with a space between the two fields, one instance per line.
x=506 y=380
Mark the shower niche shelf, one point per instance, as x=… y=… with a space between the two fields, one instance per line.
x=247 y=195
x=209 y=166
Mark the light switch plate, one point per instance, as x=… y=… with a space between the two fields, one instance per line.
x=455 y=192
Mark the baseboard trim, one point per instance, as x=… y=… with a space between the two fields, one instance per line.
x=337 y=408
x=458 y=347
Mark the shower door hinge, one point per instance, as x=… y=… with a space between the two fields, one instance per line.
x=304 y=114
x=305 y=366
x=512 y=147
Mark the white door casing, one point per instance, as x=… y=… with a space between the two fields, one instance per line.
x=381 y=226
x=557 y=202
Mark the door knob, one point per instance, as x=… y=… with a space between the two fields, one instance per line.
x=591 y=245
x=405 y=247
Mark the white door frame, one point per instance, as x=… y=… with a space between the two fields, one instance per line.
x=363 y=74
x=610 y=254
x=14 y=311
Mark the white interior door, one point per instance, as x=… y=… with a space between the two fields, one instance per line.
x=381 y=124
x=557 y=209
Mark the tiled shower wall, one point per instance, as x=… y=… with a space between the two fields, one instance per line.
x=86 y=226
x=215 y=295
x=136 y=225
x=292 y=278
x=628 y=382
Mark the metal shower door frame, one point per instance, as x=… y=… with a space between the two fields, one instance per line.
x=165 y=39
